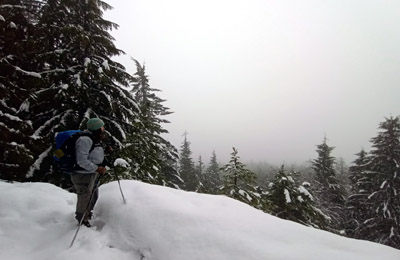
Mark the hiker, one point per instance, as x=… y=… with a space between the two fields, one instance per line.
x=89 y=164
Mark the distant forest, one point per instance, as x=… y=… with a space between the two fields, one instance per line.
x=57 y=71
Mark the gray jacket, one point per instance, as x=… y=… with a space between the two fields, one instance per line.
x=89 y=162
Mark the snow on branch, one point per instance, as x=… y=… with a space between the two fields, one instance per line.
x=372 y=195
x=10 y=165
x=392 y=234
x=106 y=96
x=63 y=118
x=58 y=70
x=397 y=164
x=304 y=191
x=4 y=104
x=11 y=117
x=121 y=162
x=12 y=130
x=18 y=146
x=287 y=196
x=130 y=99
x=86 y=62
x=116 y=141
x=78 y=79
x=29 y=73
x=38 y=162
x=128 y=111
x=105 y=65
x=37 y=133
x=328 y=218
x=12 y=6
x=118 y=126
x=24 y=106
x=244 y=194
x=87 y=113
x=118 y=68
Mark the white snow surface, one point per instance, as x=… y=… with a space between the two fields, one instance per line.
x=37 y=223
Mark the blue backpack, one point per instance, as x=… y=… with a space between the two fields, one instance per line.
x=64 y=155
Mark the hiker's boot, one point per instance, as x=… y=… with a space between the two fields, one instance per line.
x=86 y=223
x=90 y=215
x=78 y=216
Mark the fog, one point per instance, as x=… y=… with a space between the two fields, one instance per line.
x=271 y=78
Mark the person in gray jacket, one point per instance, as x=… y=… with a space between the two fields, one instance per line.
x=89 y=159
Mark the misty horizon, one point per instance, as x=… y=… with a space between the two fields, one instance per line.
x=271 y=79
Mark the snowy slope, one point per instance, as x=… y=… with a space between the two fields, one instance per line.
x=36 y=223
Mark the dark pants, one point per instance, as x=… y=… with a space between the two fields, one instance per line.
x=84 y=185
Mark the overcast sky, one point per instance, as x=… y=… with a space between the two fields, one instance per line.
x=270 y=78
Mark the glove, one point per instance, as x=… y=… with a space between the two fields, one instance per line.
x=101 y=170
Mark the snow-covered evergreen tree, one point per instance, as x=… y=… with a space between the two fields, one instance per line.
x=80 y=80
x=357 y=204
x=151 y=153
x=200 y=166
x=19 y=76
x=328 y=189
x=199 y=169
x=239 y=182
x=383 y=173
x=212 y=179
x=356 y=171
x=187 y=169
x=294 y=202
x=343 y=174
x=56 y=71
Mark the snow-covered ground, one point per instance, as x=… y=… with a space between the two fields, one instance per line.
x=37 y=223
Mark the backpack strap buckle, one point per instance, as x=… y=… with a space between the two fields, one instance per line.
x=59 y=153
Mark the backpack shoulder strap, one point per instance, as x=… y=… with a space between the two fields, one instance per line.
x=90 y=135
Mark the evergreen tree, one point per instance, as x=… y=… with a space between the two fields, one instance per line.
x=18 y=77
x=80 y=79
x=170 y=170
x=212 y=179
x=342 y=174
x=152 y=154
x=330 y=192
x=383 y=174
x=200 y=166
x=293 y=202
x=356 y=171
x=357 y=204
x=239 y=182
x=199 y=170
x=186 y=167
x=56 y=71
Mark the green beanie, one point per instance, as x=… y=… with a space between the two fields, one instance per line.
x=94 y=124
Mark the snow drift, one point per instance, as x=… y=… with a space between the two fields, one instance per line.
x=37 y=223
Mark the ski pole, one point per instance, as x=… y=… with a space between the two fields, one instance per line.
x=120 y=189
x=97 y=182
x=111 y=152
